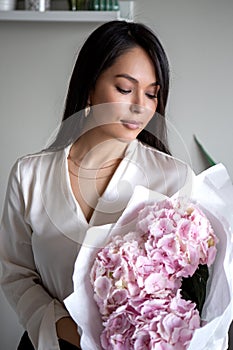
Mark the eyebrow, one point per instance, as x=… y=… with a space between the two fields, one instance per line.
x=127 y=76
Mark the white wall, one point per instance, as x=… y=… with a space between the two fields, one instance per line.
x=36 y=61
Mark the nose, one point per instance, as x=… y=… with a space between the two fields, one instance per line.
x=136 y=109
x=137 y=103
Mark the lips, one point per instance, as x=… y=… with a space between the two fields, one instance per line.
x=131 y=124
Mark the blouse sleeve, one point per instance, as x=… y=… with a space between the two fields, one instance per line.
x=36 y=309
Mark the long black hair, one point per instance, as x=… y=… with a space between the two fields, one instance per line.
x=98 y=53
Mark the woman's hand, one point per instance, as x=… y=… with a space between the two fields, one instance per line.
x=67 y=330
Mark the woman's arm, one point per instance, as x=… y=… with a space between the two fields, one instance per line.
x=37 y=310
x=67 y=330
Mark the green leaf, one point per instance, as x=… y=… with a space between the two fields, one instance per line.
x=194 y=288
x=203 y=151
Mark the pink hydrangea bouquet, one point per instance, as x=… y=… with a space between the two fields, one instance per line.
x=149 y=284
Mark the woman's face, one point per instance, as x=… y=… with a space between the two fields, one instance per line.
x=124 y=98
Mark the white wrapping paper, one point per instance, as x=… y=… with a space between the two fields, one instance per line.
x=213 y=192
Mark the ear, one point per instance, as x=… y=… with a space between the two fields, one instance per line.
x=89 y=99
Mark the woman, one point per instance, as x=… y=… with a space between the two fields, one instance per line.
x=113 y=138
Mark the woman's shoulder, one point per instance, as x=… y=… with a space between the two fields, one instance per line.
x=45 y=154
x=29 y=164
x=170 y=171
x=156 y=156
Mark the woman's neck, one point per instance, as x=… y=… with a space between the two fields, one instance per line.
x=94 y=153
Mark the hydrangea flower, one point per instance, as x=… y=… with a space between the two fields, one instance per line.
x=137 y=278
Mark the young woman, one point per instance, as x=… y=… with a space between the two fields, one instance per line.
x=113 y=138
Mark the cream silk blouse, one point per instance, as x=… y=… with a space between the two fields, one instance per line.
x=43 y=227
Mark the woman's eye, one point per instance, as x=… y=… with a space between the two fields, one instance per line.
x=151 y=96
x=123 y=91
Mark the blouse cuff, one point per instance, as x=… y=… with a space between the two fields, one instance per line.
x=47 y=336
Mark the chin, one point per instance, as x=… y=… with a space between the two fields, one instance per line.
x=128 y=134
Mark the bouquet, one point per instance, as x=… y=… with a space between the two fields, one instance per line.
x=142 y=280
x=212 y=192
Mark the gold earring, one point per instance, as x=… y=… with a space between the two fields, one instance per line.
x=87 y=111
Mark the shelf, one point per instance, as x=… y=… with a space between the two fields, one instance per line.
x=59 y=16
